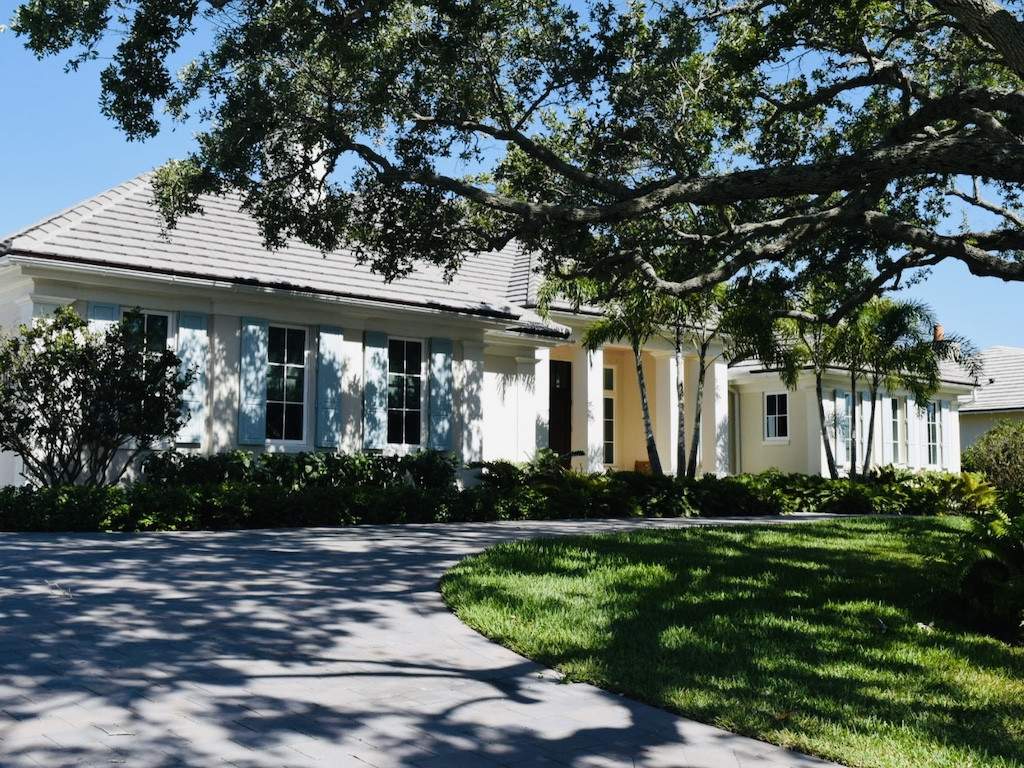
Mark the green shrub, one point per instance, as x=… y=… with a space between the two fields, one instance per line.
x=999 y=455
x=181 y=491
x=62 y=508
x=992 y=573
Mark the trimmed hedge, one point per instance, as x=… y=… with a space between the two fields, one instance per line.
x=241 y=490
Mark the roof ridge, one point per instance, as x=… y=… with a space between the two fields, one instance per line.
x=105 y=198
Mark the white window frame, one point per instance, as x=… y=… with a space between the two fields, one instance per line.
x=172 y=322
x=778 y=439
x=609 y=394
x=402 y=449
x=307 y=379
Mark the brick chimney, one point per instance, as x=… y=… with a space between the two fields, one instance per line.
x=938 y=332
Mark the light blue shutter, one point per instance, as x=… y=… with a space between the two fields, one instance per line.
x=375 y=390
x=252 y=413
x=441 y=390
x=329 y=382
x=194 y=351
x=103 y=317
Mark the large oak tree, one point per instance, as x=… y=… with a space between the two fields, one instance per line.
x=764 y=139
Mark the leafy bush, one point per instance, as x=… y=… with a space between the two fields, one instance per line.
x=999 y=455
x=181 y=491
x=992 y=567
x=73 y=399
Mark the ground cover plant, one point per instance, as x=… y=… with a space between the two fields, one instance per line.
x=837 y=638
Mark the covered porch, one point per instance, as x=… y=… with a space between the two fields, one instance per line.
x=595 y=413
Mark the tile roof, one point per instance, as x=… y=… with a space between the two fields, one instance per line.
x=122 y=228
x=1001 y=384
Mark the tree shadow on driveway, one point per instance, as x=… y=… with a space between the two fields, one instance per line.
x=295 y=647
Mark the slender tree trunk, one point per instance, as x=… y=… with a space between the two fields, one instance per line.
x=830 y=457
x=652 y=446
x=698 y=407
x=871 y=430
x=681 y=406
x=853 y=422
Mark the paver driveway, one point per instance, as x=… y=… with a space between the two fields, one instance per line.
x=300 y=647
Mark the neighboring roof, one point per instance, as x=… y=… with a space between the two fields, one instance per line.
x=949 y=372
x=122 y=228
x=1001 y=384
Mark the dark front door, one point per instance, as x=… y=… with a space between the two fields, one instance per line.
x=560 y=416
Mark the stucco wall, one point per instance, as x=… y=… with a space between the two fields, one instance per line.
x=758 y=454
x=974 y=425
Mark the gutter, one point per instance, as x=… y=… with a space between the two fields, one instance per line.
x=483 y=312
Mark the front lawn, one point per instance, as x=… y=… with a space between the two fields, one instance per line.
x=834 y=638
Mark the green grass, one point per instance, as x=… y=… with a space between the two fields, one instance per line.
x=833 y=638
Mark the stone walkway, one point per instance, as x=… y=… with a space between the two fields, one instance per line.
x=298 y=648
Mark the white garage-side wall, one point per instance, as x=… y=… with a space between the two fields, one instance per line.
x=514 y=410
x=974 y=425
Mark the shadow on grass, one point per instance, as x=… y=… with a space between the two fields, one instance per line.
x=836 y=638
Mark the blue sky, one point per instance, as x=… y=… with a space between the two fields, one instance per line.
x=57 y=149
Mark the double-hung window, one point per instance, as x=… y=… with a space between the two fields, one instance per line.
x=286 y=384
x=776 y=416
x=152 y=330
x=934 y=434
x=405 y=391
x=609 y=415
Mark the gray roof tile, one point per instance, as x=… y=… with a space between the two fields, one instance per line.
x=122 y=227
x=1001 y=384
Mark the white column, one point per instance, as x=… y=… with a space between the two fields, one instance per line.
x=469 y=384
x=666 y=412
x=587 y=406
x=691 y=370
x=817 y=464
x=526 y=409
x=715 y=419
x=541 y=396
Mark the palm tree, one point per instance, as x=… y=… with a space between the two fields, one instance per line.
x=635 y=316
x=890 y=344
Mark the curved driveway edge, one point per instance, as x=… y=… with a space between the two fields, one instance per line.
x=310 y=647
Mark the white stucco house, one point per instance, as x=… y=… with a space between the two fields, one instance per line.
x=297 y=350
x=998 y=396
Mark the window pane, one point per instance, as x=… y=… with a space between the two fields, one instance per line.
x=412 y=392
x=609 y=378
x=782 y=405
x=609 y=408
x=770 y=407
x=412 y=427
x=275 y=345
x=275 y=421
x=395 y=392
x=275 y=382
x=782 y=429
x=396 y=356
x=293 y=422
x=412 y=357
x=136 y=326
x=609 y=453
x=156 y=333
x=609 y=431
x=395 y=426
x=769 y=427
x=296 y=346
x=295 y=380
